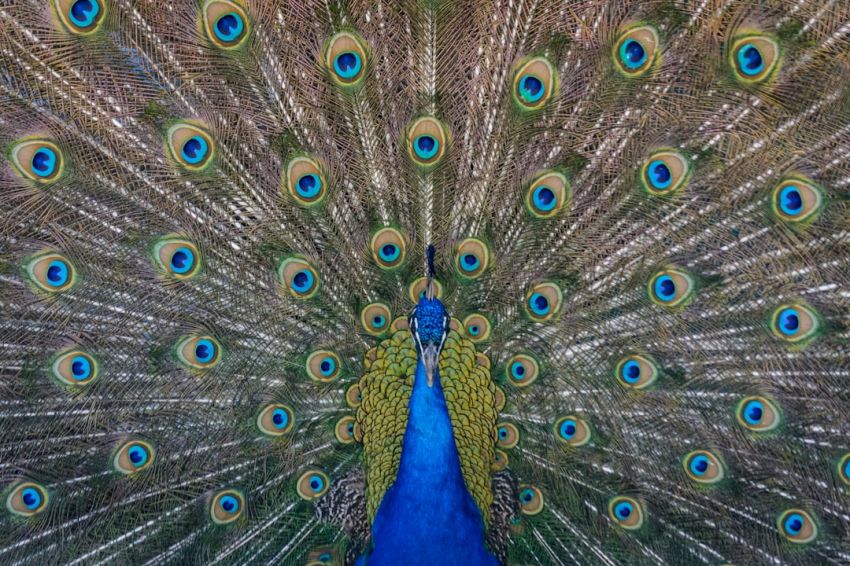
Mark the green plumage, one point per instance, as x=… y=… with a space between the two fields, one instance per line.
x=212 y=212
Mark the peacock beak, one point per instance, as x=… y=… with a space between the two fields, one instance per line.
x=430 y=359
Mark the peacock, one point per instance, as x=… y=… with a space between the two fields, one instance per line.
x=425 y=282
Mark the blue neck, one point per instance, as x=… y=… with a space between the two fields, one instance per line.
x=427 y=516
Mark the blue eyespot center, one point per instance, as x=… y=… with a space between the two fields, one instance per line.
x=327 y=366
x=665 y=288
x=527 y=495
x=350 y=428
x=57 y=273
x=308 y=186
x=280 y=418
x=229 y=27
x=204 y=351
x=632 y=54
x=503 y=433
x=138 y=456
x=194 y=150
x=539 y=304
x=182 y=260
x=544 y=198
x=469 y=262
x=44 y=162
x=659 y=175
x=347 y=64
x=623 y=510
x=794 y=523
x=31 y=498
x=531 y=88
x=474 y=330
x=80 y=368
x=378 y=321
x=631 y=371
x=390 y=252
x=229 y=503
x=84 y=12
x=302 y=281
x=753 y=412
x=426 y=146
x=789 y=321
x=791 y=201
x=316 y=483
x=568 y=429
x=518 y=370
x=750 y=60
x=699 y=465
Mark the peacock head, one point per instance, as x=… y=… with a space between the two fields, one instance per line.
x=429 y=324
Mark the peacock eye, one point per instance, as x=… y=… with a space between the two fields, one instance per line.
x=226 y=23
x=38 y=160
x=305 y=180
x=353 y=397
x=671 y=287
x=500 y=461
x=388 y=248
x=51 y=272
x=796 y=200
x=797 y=526
x=345 y=58
x=81 y=17
x=543 y=302
x=426 y=138
x=507 y=435
x=190 y=146
x=226 y=506
x=757 y=414
x=844 y=468
x=530 y=500
x=177 y=257
x=635 y=51
x=477 y=327
x=472 y=258
x=275 y=419
x=522 y=370
x=572 y=431
x=299 y=277
x=754 y=58
x=312 y=484
x=704 y=467
x=795 y=323
x=27 y=498
x=636 y=371
x=664 y=172
x=133 y=457
x=417 y=289
x=345 y=430
x=534 y=83
x=626 y=512
x=199 y=352
x=548 y=193
x=375 y=318
x=75 y=368
x=323 y=365
x=323 y=556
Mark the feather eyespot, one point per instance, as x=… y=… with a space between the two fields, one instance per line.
x=38 y=160
x=312 y=484
x=75 y=368
x=507 y=435
x=344 y=430
x=353 y=396
x=299 y=277
x=499 y=398
x=795 y=323
x=703 y=467
x=754 y=58
x=275 y=419
x=534 y=83
x=572 y=431
x=522 y=370
x=472 y=258
x=636 y=51
x=530 y=500
x=543 y=302
x=81 y=17
x=500 y=461
x=636 y=371
x=323 y=365
x=226 y=506
x=305 y=180
x=177 y=257
x=626 y=512
x=671 y=288
x=664 y=172
x=27 y=498
x=757 y=414
x=132 y=457
x=477 y=327
x=388 y=248
x=796 y=200
x=548 y=193
x=190 y=146
x=418 y=287
x=844 y=468
x=199 y=352
x=51 y=272
x=426 y=140
x=376 y=318
x=797 y=526
x=324 y=556
x=345 y=59
x=225 y=23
